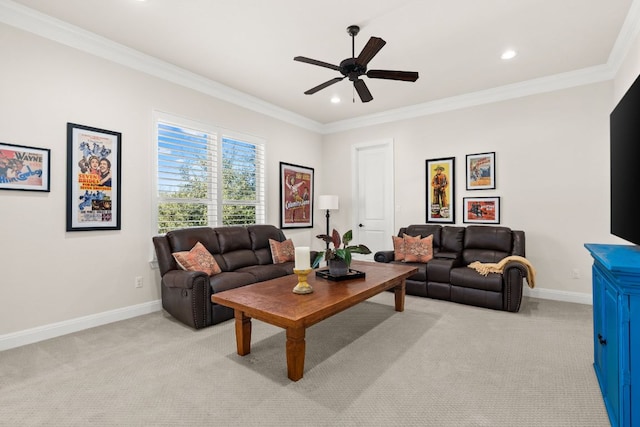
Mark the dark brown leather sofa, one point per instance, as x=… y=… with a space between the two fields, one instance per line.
x=447 y=276
x=243 y=254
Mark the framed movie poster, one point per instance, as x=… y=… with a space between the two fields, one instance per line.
x=296 y=196
x=481 y=210
x=24 y=168
x=481 y=171
x=441 y=190
x=93 y=178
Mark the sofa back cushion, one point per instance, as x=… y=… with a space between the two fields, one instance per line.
x=452 y=241
x=260 y=235
x=185 y=239
x=424 y=230
x=235 y=247
x=486 y=243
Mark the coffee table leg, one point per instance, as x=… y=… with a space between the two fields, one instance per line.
x=243 y=333
x=399 y=293
x=295 y=353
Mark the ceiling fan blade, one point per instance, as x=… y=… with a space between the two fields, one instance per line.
x=407 y=76
x=363 y=91
x=323 y=85
x=370 y=50
x=316 y=62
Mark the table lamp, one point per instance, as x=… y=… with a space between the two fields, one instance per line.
x=328 y=202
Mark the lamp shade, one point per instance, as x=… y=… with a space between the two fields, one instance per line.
x=328 y=202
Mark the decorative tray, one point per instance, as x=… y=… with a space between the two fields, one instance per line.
x=352 y=274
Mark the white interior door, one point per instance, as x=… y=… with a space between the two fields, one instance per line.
x=373 y=195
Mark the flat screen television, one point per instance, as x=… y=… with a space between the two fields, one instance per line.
x=625 y=165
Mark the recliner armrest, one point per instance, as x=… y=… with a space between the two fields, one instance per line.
x=520 y=268
x=384 y=256
x=182 y=278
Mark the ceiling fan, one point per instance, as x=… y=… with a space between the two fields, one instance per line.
x=355 y=67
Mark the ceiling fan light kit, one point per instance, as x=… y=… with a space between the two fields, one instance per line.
x=354 y=68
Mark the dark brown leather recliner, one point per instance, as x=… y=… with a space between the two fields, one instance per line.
x=447 y=276
x=243 y=254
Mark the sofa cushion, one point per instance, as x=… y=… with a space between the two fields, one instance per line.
x=230 y=280
x=266 y=272
x=466 y=277
x=486 y=244
x=417 y=249
x=197 y=259
x=282 y=251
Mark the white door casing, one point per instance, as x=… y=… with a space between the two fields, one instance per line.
x=373 y=198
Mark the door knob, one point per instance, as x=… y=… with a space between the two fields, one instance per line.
x=360 y=225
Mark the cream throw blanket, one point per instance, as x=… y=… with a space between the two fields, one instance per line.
x=486 y=268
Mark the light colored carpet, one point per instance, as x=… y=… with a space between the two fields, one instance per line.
x=436 y=364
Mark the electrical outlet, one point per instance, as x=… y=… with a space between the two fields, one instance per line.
x=575 y=273
x=138 y=282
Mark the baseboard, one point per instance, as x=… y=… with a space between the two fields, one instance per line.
x=53 y=330
x=551 y=294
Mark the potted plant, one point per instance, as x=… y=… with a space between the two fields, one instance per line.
x=339 y=257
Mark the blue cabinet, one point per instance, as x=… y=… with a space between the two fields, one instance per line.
x=616 y=329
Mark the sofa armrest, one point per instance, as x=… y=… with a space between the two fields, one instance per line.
x=186 y=295
x=384 y=256
x=447 y=255
x=182 y=278
x=513 y=274
x=521 y=269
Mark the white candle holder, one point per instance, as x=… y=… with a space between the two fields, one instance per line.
x=302 y=287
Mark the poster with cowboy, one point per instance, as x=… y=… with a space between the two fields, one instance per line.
x=440 y=190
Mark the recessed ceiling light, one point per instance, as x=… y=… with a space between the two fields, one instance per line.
x=508 y=54
x=335 y=100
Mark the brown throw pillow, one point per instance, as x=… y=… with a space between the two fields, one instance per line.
x=197 y=259
x=417 y=249
x=282 y=251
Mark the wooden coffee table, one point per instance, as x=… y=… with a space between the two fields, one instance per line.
x=274 y=302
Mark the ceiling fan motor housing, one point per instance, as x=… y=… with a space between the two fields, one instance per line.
x=350 y=68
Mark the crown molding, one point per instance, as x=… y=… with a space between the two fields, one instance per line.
x=27 y=19
x=567 y=80
x=626 y=38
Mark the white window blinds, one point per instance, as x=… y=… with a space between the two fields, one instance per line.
x=205 y=179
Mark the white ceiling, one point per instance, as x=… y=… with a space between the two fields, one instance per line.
x=455 y=45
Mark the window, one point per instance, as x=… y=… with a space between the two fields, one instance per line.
x=207 y=176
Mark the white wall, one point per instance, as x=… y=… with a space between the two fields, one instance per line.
x=552 y=173
x=49 y=275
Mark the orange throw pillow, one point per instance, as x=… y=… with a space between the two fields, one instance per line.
x=197 y=259
x=417 y=249
x=282 y=251
x=398 y=248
